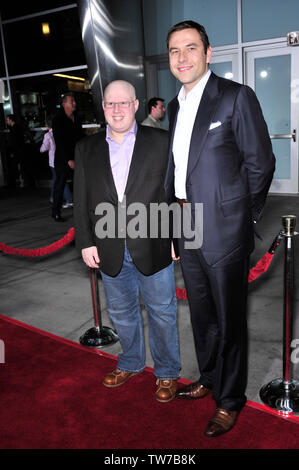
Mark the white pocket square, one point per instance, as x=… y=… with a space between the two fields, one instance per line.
x=215 y=124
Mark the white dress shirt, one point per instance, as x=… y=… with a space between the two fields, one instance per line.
x=181 y=143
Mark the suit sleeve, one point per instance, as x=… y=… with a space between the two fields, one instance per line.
x=254 y=143
x=83 y=231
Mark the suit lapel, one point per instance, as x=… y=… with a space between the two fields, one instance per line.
x=137 y=160
x=206 y=110
x=173 y=113
x=102 y=166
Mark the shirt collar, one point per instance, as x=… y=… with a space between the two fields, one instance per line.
x=196 y=91
x=152 y=118
x=133 y=131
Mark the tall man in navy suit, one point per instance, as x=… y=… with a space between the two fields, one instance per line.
x=220 y=156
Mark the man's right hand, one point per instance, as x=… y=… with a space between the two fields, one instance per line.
x=90 y=256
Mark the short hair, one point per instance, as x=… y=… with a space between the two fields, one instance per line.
x=153 y=102
x=65 y=95
x=189 y=24
x=12 y=117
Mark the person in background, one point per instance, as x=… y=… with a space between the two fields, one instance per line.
x=67 y=131
x=49 y=146
x=16 y=152
x=156 y=109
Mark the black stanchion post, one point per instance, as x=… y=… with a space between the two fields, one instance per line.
x=98 y=335
x=283 y=393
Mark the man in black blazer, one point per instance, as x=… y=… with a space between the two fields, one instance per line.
x=120 y=172
x=221 y=157
x=67 y=131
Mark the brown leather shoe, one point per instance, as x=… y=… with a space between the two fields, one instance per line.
x=117 y=377
x=166 y=390
x=221 y=422
x=192 y=391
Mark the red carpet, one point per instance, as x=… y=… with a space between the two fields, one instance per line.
x=52 y=398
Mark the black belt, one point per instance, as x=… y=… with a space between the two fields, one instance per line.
x=181 y=202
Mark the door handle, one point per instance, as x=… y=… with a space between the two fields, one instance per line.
x=284 y=136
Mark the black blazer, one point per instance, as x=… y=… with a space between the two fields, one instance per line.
x=230 y=168
x=94 y=184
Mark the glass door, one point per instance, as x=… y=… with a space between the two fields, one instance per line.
x=225 y=64
x=272 y=73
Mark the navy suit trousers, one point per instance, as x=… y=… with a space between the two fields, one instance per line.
x=217 y=299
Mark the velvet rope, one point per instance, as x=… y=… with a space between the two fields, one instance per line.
x=264 y=263
x=46 y=250
x=261 y=267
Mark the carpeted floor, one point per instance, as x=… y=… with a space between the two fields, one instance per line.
x=52 y=398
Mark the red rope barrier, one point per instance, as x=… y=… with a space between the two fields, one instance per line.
x=181 y=293
x=46 y=250
x=261 y=267
x=264 y=263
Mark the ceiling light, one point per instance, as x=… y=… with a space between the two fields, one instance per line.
x=69 y=76
x=46 y=29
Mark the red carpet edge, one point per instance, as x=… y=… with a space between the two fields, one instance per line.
x=251 y=404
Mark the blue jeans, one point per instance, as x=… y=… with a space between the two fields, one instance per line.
x=123 y=302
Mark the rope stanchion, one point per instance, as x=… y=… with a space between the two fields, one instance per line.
x=98 y=335
x=283 y=393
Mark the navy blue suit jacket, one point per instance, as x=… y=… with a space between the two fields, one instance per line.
x=230 y=168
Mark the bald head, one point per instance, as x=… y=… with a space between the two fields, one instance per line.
x=120 y=85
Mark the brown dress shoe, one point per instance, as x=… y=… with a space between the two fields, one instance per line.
x=222 y=421
x=194 y=390
x=117 y=377
x=166 y=390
